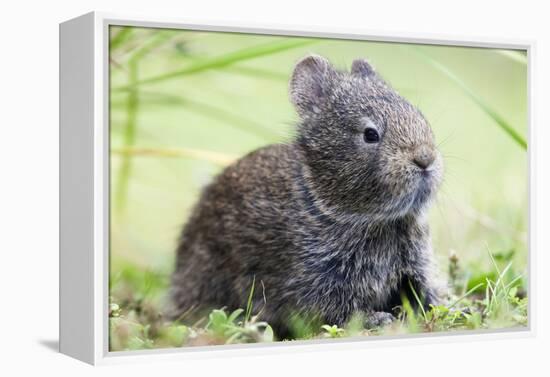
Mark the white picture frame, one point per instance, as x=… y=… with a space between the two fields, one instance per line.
x=84 y=188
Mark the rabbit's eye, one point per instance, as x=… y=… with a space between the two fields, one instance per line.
x=371 y=135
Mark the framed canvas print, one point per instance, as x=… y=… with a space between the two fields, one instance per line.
x=239 y=189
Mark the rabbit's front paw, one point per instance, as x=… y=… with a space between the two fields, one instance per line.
x=377 y=319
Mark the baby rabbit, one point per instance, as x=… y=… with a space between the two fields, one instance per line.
x=332 y=224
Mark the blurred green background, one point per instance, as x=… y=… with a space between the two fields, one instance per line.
x=183 y=104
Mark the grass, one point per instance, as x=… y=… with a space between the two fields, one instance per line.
x=136 y=322
x=185 y=104
x=493 y=114
x=224 y=60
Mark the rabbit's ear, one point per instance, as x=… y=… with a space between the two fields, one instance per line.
x=361 y=67
x=310 y=84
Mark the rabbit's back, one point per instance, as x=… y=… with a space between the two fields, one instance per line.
x=239 y=230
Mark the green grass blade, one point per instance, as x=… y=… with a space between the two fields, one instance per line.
x=412 y=321
x=154 y=41
x=419 y=302
x=493 y=261
x=513 y=55
x=129 y=136
x=512 y=282
x=491 y=295
x=497 y=118
x=470 y=291
x=227 y=60
x=208 y=110
x=119 y=38
x=501 y=276
x=258 y=72
x=249 y=303
x=232 y=119
x=216 y=158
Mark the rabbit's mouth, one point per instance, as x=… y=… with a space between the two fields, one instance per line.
x=427 y=173
x=416 y=199
x=426 y=185
x=424 y=191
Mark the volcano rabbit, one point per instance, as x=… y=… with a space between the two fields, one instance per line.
x=331 y=224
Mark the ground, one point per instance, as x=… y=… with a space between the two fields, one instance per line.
x=494 y=300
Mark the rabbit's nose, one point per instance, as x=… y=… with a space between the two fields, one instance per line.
x=423 y=157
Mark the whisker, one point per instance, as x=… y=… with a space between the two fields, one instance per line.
x=445 y=156
x=446 y=139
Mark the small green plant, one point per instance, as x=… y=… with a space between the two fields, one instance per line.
x=136 y=322
x=228 y=327
x=220 y=324
x=491 y=304
x=333 y=331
